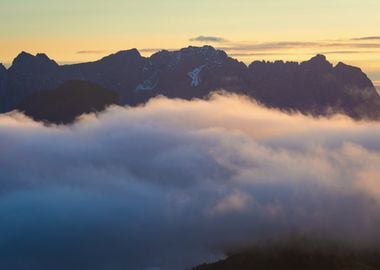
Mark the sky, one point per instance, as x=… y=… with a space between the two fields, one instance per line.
x=76 y=31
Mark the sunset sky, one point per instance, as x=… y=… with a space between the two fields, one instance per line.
x=185 y=159
x=75 y=31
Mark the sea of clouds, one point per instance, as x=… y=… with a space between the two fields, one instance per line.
x=175 y=183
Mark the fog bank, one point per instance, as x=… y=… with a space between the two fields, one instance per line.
x=175 y=183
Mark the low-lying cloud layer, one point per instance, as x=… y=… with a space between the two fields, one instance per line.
x=176 y=183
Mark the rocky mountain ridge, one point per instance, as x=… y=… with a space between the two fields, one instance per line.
x=313 y=87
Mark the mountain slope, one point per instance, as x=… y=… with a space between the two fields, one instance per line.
x=64 y=104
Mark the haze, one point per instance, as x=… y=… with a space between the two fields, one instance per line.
x=176 y=183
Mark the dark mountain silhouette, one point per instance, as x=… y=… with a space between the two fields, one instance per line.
x=314 y=87
x=3 y=71
x=3 y=75
x=27 y=75
x=120 y=72
x=299 y=256
x=64 y=104
x=192 y=72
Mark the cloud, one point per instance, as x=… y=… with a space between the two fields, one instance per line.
x=210 y=39
x=176 y=183
x=368 y=38
x=270 y=46
x=348 y=52
x=286 y=45
x=250 y=54
x=92 y=52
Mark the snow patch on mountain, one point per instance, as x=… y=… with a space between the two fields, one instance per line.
x=148 y=84
x=195 y=76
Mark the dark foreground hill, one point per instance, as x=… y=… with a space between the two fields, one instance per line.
x=64 y=104
x=313 y=87
x=298 y=258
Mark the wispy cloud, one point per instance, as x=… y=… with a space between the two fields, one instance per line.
x=353 y=45
x=348 y=52
x=284 y=45
x=268 y=46
x=250 y=54
x=92 y=52
x=359 y=45
x=367 y=38
x=211 y=39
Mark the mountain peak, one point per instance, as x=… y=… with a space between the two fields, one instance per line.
x=2 y=68
x=204 y=54
x=319 y=58
x=205 y=48
x=22 y=56
x=28 y=61
x=130 y=52
x=318 y=62
x=205 y=51
x=124 y=55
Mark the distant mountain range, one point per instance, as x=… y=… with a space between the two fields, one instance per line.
x=313 y=87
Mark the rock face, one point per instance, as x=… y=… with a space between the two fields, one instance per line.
x=193 y=72
x=315 y=86
x=64 y=104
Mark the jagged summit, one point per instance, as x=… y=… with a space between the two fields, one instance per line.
x=317 y=63
x=319 y=58
x=22 y=58
x=205 y=52
x=25 y=56
x=26 y=61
